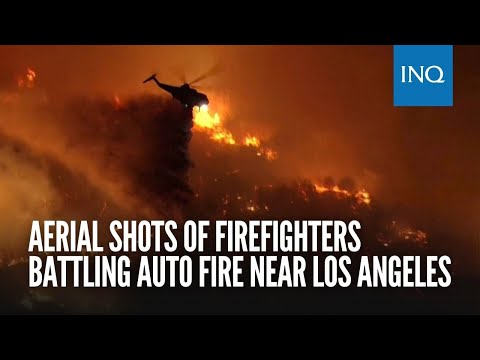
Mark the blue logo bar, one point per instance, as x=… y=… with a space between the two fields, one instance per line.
x=423 y=75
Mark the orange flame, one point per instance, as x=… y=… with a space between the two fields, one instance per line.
x=362 y=196
x=31 y=75
x=212 y=125
x=117 y=102
x=396 y=232
x=251 y=141
x=28 y=80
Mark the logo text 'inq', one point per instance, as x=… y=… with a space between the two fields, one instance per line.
x=423 y=74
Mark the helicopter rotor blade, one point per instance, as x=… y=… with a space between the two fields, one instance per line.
x=204 y=87
x=180 y=74
x=213 y=71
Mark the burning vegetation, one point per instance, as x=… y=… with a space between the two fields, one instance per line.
x=133 y=158
x=212 y=125
x=27 y=80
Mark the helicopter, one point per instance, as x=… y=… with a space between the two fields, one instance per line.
x=188 y=96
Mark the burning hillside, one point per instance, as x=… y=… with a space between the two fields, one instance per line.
x=131 y=157
x=212 y=125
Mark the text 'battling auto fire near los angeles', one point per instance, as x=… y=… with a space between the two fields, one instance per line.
x=127 y=192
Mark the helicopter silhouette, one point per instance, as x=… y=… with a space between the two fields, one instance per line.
x=188 y=96
x=185 y=94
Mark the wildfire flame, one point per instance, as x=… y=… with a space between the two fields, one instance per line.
x=396 y=232
x=117 y=102
x=252 y=202
x=27 y=80
x=212 y=125
x=251 y=141
x=362 y=196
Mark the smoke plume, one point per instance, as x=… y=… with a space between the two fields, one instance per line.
x=91 y=158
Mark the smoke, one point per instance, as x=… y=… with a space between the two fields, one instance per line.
x=141 y=143
x=25 y=190
x=90 y=158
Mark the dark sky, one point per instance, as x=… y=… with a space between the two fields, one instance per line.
x=328 y=110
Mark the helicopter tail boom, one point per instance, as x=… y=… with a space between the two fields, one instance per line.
x=150 y=78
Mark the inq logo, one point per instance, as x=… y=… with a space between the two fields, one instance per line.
x=423 y=75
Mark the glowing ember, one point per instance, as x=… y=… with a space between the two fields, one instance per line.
x=400 y=233
x=270 y=154
x=116 y=100
x=30 y=75
x=213 y=126
x=28 y=80
x=363 y=197
x=103 y=209
x=24 y=81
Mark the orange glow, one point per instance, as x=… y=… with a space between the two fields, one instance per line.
x=397 y=232
x=270 y=154
x=27 y=80
x=251 y=141
x=9 y=98
x=116 y=99
x=361 y=196
x=212 y=125
x=31 y=75
x=224 y=136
